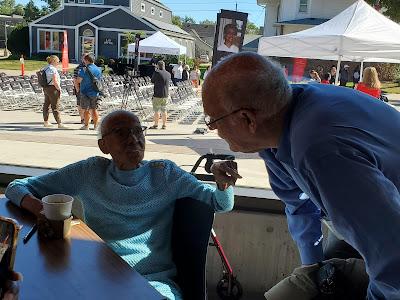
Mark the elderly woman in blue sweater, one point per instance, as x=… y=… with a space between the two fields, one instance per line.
x=127 y=201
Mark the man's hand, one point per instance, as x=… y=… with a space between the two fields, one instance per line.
x=225 y=173
x=11 y=287
x=32 y=204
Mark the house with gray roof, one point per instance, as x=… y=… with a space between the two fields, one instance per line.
x=102 y=27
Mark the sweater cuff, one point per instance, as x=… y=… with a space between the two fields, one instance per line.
x=311 y=254
x=15 y=195
x=225 y=199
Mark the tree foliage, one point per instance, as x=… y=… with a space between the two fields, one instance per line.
x=7 y=7
x=177 y=20
x=18 y=41
x=207 y=22
x=390 y=8
x=52 y=5
x=19 y=10
x=252 y=28
x=31 y=11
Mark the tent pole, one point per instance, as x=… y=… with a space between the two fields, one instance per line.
x=361 y=70
x=338 y=70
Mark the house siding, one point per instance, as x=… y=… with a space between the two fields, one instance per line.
x=108 y=50
x=136 y=9
x=121 y=20
x=106 y=2
x=73 y=15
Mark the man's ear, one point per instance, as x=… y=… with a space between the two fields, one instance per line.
x=103 y=146
x=250 y=118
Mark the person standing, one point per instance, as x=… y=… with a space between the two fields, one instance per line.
x=195 y=76
x=206 y=72
x=344 y=75
x=161 y=79
x=333 y=75
x=185 y=73
x=330 y=153
x=177 y=72
x=88 y=95
x=52 y=92
x=77 y=89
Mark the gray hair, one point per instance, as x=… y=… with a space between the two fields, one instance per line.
x=251 y=81
x=161 y=65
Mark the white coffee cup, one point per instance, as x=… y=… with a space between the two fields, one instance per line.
x=57 y=207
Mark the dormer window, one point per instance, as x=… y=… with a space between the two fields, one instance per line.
x=161 y=14
x=96 y=1
x=303 y=7
x=153 y=11
x=142 y=7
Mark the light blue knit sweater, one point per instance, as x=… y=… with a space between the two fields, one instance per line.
x=130 y=210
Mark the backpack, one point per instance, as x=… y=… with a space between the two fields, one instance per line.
x=42 y=77
x=97 y=84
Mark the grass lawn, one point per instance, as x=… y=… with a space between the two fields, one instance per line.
x=391 y=87
x=14 y=64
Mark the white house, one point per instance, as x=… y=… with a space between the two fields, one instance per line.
x=287 y=16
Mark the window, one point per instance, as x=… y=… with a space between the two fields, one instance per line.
x=142 y=7
x=81 y=1
x=153 y=11
x=96 y=1
x=71 y=1
x=88 y=32
x=303 y=7
x=123 y=41
x=161 y=14
x=51 y=40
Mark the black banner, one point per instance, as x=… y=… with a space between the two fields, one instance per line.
x=229 y=34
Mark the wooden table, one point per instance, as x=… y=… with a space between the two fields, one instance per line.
x=81 y=267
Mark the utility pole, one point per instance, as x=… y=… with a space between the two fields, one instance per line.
x=236 y=5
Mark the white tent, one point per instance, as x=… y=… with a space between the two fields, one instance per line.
x=158 y=43
x=359 y=33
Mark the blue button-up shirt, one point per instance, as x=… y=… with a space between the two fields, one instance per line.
x=342 y=149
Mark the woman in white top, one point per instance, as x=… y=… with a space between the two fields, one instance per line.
x=52 y=92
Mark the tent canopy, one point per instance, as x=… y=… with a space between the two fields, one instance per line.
x=158 y=43
x=359 y=33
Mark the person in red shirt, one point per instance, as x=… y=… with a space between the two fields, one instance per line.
x=370 y=83
x=326 y=78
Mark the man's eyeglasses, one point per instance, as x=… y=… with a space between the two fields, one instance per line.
x=210 y=122
x=125 y=132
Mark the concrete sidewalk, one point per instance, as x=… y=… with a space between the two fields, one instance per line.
x=25 y=142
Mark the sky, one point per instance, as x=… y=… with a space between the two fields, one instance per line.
x=205 y=9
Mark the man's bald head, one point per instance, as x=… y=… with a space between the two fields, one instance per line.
x=247 y=80
x=117 y=114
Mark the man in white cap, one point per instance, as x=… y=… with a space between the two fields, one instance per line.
x=344 y=75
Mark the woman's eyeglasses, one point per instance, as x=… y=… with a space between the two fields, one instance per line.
x=125 y=132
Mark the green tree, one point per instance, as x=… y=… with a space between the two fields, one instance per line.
x=31 y=11
x=188 y=19
x=52 y=5
x=252 y=28
x=391 y=8
x=18 y=41
x=177 y=20
x=19 y=10
x=207 y=22
x=7 y=7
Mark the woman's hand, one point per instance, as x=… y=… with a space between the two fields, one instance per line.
x=225 y=173
x=32 y=204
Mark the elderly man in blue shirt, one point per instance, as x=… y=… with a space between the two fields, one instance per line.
x=336 y=145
